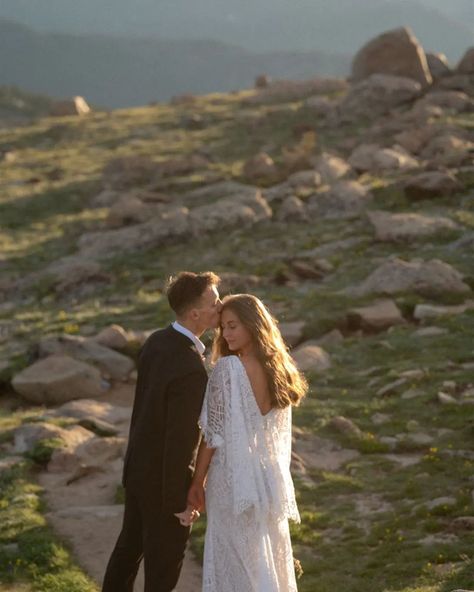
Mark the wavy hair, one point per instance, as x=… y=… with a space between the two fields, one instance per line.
x=286 y=384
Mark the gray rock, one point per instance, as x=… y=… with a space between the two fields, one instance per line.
x=346 y=199
x=403 y=227
x=111 y=363
x=311 y=358
x=431 y=184
x=377 y=316
x=396 y=52
x=423 y=277
x=57 y=379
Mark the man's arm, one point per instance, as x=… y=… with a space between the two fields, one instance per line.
x=183 y=405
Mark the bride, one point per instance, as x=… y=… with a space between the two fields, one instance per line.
x=243 y=466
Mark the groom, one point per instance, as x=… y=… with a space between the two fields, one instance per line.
x=163 y=438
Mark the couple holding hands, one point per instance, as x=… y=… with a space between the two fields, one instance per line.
x=241 y=474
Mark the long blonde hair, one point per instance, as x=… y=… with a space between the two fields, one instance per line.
x=286 y=384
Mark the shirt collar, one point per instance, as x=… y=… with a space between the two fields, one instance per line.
x=197 y=342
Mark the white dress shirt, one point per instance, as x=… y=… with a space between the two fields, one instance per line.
x=197 y=342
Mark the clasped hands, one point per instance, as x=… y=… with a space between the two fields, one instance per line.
x=195 y=503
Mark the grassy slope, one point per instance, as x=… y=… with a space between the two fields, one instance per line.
x=340 y=550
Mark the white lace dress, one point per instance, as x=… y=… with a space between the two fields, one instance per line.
x=249 y=490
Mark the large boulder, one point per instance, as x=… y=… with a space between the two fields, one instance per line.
x=346 y=199
x=236 y=210
x=377 y=95
x=377 y=316
x=410 y=226
x=111 y=363
x=311 y=358
x=370 y=157
x=260 y=168
x=397 y=52
x=331 y=168
x=74 y=106
x=74 y=271
x=57 y=379
x=428 y=278
x=113 y=337
x=169 y=226
x=431 y=184
x=438 y=65
x=466 y=64
x=299 y=182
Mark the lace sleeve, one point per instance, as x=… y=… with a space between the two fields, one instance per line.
x=211 y=420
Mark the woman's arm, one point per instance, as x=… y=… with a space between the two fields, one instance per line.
x=196 y=495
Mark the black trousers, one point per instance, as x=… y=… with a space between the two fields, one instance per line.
x=146 y=534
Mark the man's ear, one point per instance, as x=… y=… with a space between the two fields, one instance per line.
x=194 y=314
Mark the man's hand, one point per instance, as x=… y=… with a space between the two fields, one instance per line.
x=188 y=517
x=197 y=497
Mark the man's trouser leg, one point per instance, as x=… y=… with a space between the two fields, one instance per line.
x=125 y=559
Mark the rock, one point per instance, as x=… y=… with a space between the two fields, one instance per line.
x=448 y=99
x=319 y=106
x=128 y=171
x=376 y=96
x=414 y=139
x=430 y=332
x=446 y=399
x=423 y=312
x=330 y=339
x=292 y=332
x=331 y=168
x=92 y=452
x=391 y=388
x=98 y=426
x=262 y=81
x=57 y=379
x=438 y=65
x=445 y=147
x=380 y=418
x=301 y=181
x=306 y=271
x=113 y=337
x=86 y=408
x=345 y=426
x=346 y=199
x=416 y=438
x=322 y=454
x=396 y=52
x=406 y=227
x=71 y=273
x=423 y=277
x=311 y=358
x=111 y=363
x=292 y=209
x=370 y=157
x=9 y=462
x=130 y=210
x=169 y=226
x=431 y=184
x=375 y=317
x=27 y=435
x=177 y=167
x=238 y=210
x=74 y=106
x=260 y=168
x=440 y=502
x=466 y=64
x=463 y=523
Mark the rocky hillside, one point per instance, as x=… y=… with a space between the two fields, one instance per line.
x=349 y=209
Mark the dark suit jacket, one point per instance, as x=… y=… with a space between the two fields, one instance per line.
x=164 y=433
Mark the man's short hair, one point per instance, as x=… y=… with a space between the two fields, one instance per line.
x=185 y=289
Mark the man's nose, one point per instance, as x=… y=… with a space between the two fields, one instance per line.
x=219 y=305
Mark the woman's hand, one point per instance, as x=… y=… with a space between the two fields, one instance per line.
x=188 y=517
x=197 y=496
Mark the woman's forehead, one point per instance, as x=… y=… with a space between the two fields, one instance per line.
x=228 y=315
